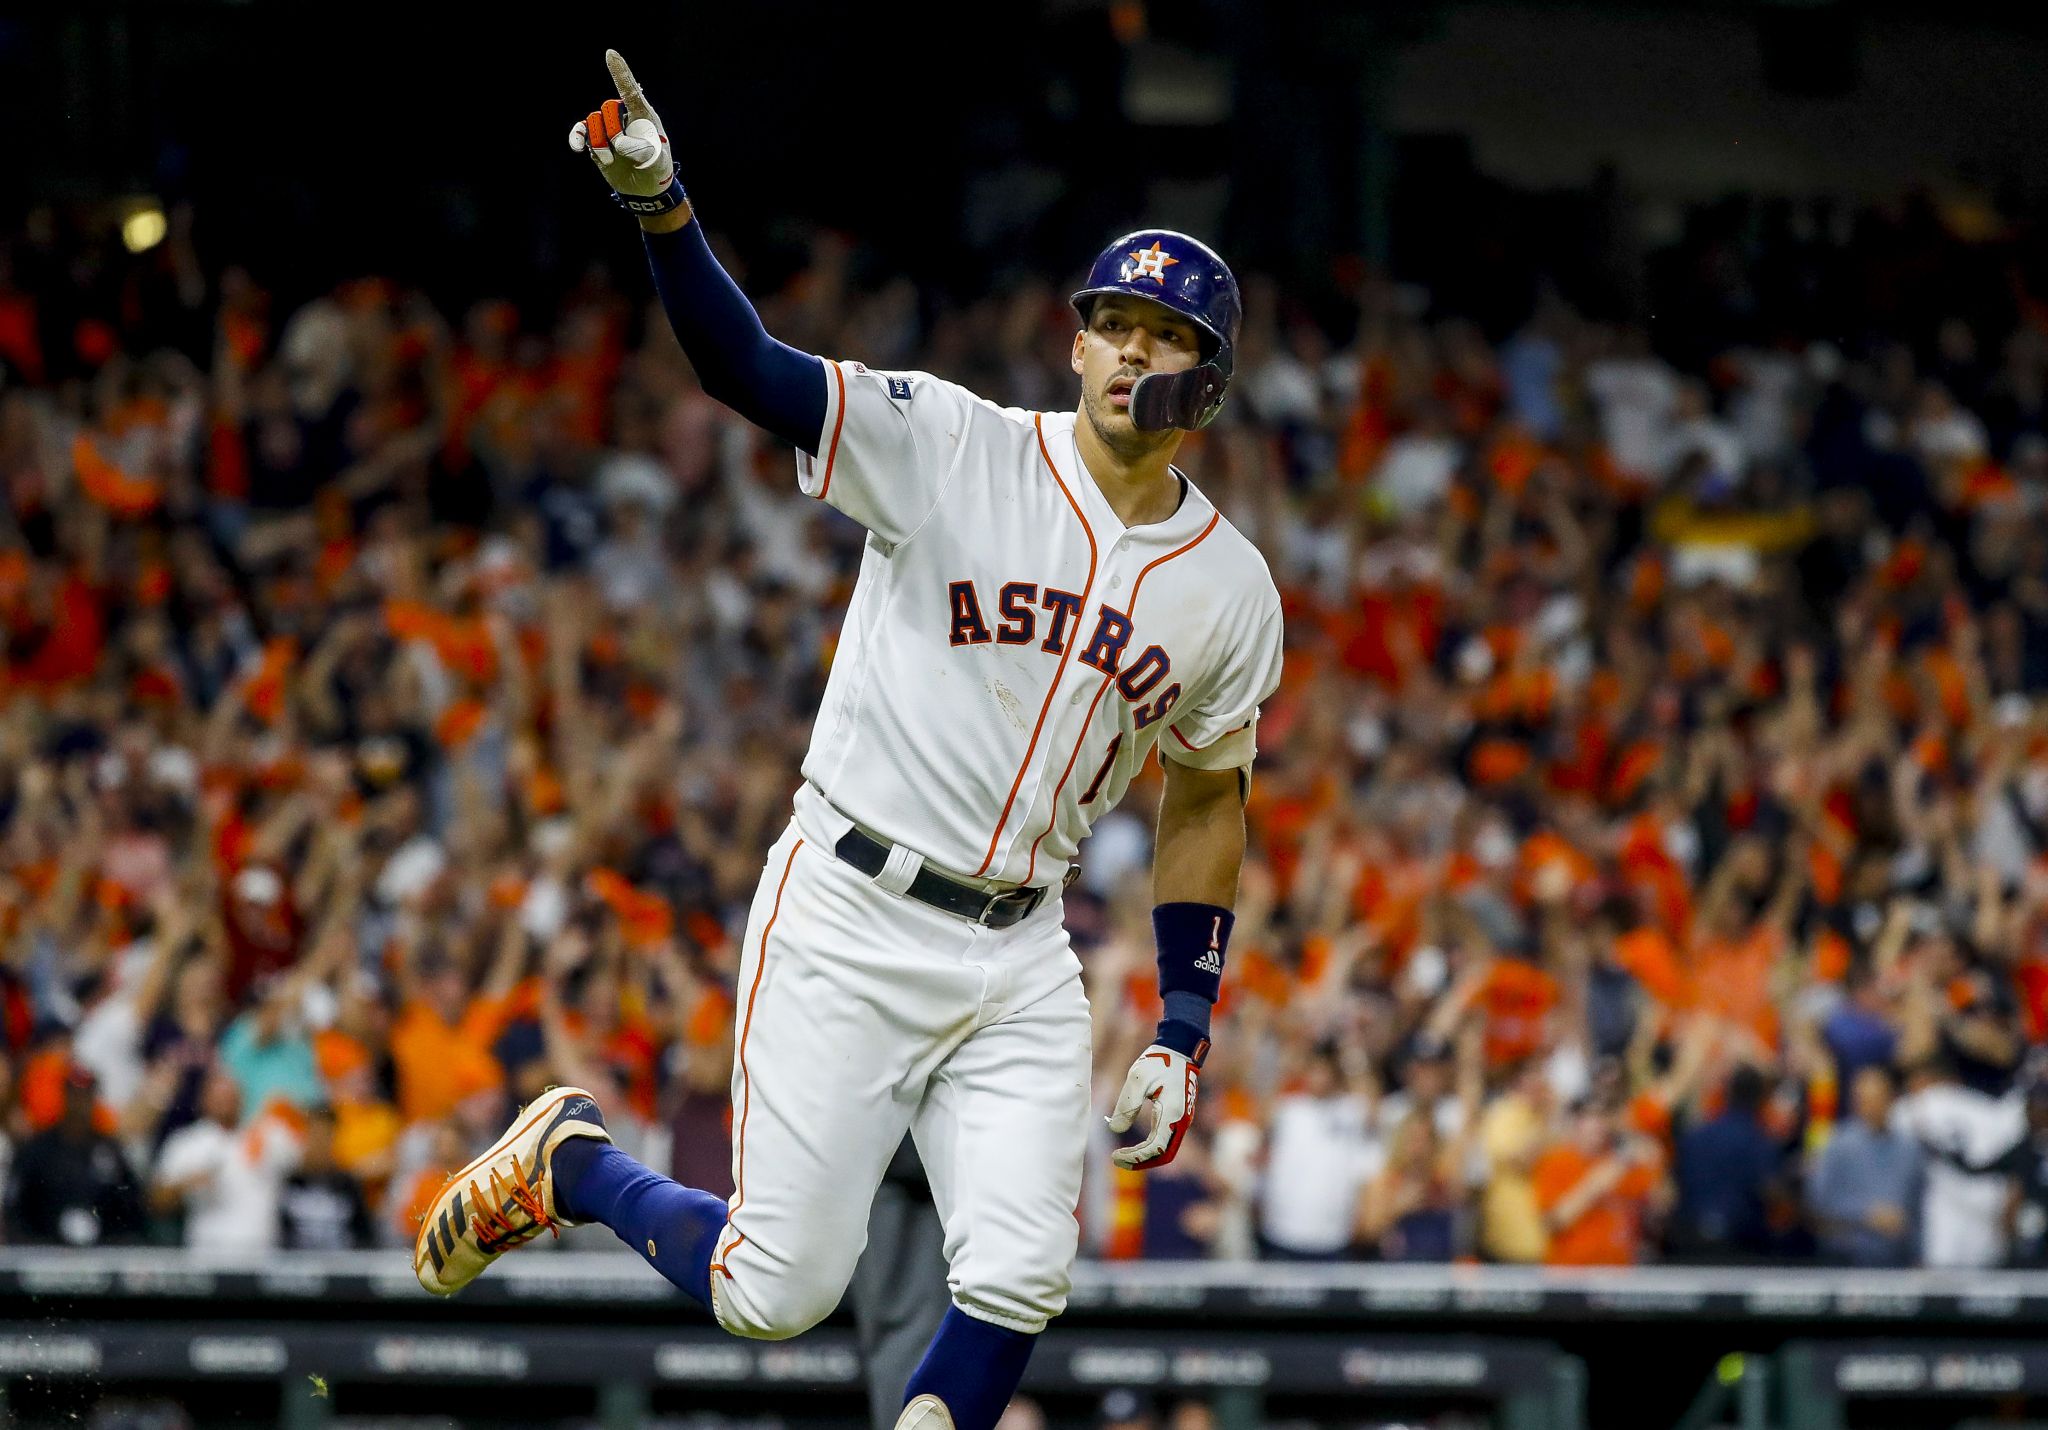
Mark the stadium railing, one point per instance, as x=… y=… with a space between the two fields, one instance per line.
x=1244 y=1336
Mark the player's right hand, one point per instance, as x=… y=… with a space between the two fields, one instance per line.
x=1166 y=1082
x=625 y=138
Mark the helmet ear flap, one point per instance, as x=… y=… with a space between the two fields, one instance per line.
x=1188 y=400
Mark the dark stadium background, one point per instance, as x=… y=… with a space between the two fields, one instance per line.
x=425 y=141
x=1466 y=148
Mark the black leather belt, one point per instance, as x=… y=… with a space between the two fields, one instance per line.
x=977 y=906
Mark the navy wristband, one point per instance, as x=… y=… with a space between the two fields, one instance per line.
x=667 y=201
x=1186 y=1039
x=1192 y=939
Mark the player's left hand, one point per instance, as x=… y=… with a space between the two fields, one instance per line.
x=1166 y=1080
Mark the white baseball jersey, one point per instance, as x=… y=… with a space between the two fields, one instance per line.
x=1012 y=650
x=1011 y=654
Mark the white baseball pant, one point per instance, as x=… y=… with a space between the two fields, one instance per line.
x=863 y=1013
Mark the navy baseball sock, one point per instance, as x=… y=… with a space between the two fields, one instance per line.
x=674 y=1228
x=974 y=1367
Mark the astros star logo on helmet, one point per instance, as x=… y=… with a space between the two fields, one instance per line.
x=1149 y=263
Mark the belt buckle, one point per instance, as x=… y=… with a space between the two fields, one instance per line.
x=988 y=909
x=1030 y=897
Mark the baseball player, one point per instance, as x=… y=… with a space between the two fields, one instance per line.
x=1042 y=600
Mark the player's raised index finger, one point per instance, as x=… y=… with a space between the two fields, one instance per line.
x=622 y=78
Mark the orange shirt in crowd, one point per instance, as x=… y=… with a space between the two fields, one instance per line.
x=41 y=1090
x=363 y=1133
x=1610 y=1231
x=1388 y=900
x=366 y=1127
x=1649 y=868
x=1732 y=977
x=409 y=1210
x=1518 y=999
x=1650 y=956
x=438 y=1064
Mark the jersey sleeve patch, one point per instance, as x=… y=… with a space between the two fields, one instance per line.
x=889 y=442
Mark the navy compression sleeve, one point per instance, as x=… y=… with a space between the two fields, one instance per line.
x=769 y=383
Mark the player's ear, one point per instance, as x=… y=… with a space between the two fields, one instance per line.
x=1080 y=341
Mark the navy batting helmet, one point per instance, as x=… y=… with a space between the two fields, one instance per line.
x=1186 y=275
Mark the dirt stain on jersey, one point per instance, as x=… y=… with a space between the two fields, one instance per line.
x=1012 y=707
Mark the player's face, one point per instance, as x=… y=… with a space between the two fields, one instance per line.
x=1127 y=338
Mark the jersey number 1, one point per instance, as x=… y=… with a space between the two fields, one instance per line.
x=1108 y=759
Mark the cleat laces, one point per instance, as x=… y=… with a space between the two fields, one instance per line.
x=489 y=1211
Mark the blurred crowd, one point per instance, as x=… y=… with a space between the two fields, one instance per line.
x=1647 y=840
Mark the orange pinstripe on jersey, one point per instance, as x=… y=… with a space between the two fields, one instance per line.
x=1130 y=613
x=746 y=1082
x=996 y=834
x=1199 y=748
x=838 y=426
